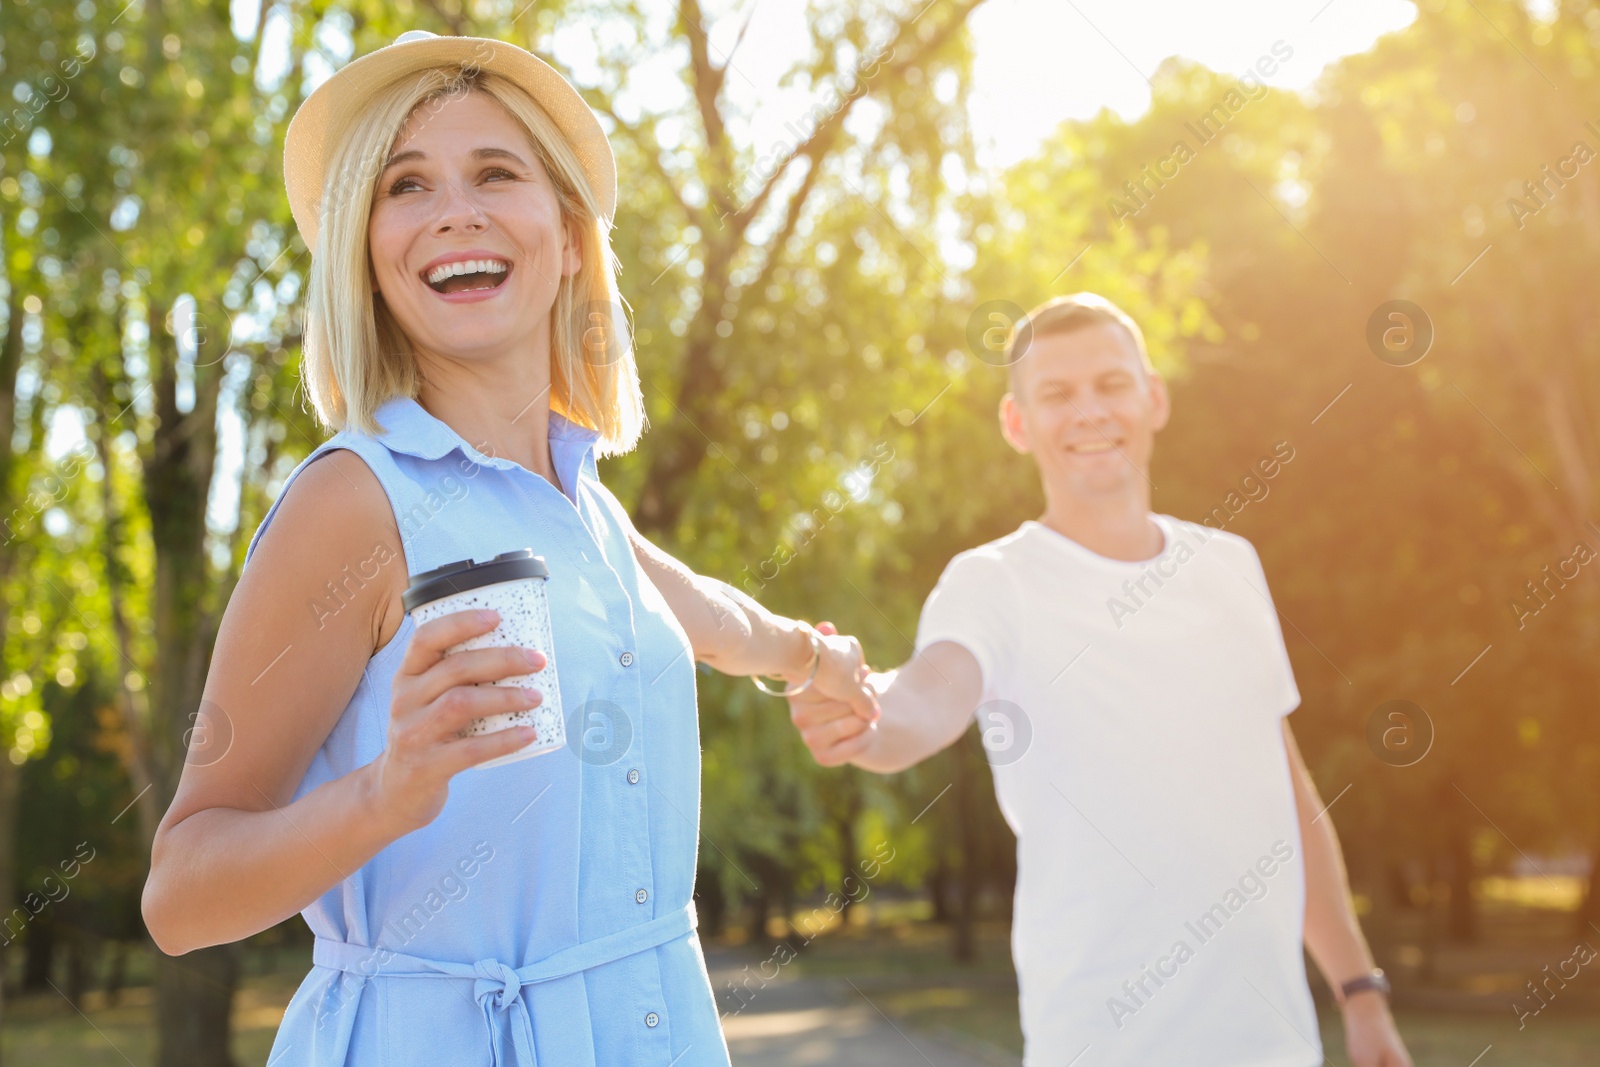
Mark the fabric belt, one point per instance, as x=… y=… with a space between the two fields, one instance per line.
x=497 y=987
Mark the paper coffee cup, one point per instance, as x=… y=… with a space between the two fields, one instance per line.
x=513 y=584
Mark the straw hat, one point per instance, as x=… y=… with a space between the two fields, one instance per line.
x=324 y=117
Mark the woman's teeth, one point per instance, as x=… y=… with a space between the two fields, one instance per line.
x=489 y=267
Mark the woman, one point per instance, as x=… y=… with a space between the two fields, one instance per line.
x=538 y=910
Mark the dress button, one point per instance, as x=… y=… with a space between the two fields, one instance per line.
x=641 y=896
x=626 y=659
x=633 y=777
x=651 y=1020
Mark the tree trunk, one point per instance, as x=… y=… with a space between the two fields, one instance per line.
x=1431 y=922
x=938 y=888
x=10 y=364
x=1560 y=400
x=135 y=713
x=194 y=993
x=39 y=953
x=194 y=1004
x=1463 y=925
x=786 y=899
x=116 y=971
x=9 y=780
x=1589 y=909
x=850 y=884
x=710 y=903
x=83 y=949
x=756 y=917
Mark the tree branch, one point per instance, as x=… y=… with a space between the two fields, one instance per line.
x=727 y=61
x=456 y=22
x=651 y=153
x=816 y=145
x=791 y=219
x=701 y=375
x=708 y=81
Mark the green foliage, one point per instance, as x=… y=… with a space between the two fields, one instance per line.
x=823 y=428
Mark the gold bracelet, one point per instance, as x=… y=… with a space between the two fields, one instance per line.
x=816 y=662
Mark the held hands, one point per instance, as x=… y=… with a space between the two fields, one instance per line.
x=434 y=697
x=837 y=713
x=842 y=674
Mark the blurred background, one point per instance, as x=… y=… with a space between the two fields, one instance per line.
x=1364 y=234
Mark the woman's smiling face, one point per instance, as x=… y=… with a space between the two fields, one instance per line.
x=463 y=190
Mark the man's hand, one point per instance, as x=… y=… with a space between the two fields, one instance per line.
x=923 y=706
x=1370 y=1037
x=831 y=729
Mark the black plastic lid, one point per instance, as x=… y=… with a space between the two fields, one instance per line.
x=462 y=575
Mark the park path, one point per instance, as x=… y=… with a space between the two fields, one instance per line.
x=796 y=1022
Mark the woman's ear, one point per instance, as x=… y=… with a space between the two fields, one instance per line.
x=572 y=250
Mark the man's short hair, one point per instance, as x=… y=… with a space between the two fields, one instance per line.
x=1068 y=314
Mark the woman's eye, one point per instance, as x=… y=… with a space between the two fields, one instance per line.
x=402 y=184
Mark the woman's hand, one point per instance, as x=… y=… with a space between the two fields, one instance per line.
x=434 y=697
x=842 y=674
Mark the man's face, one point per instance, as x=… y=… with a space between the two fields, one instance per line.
x=1087 y=411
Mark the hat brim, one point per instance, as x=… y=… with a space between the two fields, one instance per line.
x=324 y=118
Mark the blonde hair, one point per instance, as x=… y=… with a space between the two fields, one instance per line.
x=356 y=356
x=1068 y=314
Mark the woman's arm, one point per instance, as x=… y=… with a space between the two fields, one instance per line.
x=232 y=855
x=732 y=633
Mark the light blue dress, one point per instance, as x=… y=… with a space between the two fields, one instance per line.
x=545 y=917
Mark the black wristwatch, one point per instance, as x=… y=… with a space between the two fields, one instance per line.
x=1377 y=980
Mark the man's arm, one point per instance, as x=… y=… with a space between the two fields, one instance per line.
x=926 y=705
x=1332 y=933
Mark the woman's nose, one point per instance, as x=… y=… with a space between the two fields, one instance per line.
x=458 y=211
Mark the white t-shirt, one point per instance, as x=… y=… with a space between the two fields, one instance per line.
x=1133 y=720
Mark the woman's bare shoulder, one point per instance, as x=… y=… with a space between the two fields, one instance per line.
x=333 y=541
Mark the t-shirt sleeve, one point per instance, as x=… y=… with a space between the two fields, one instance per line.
x=969 y=606
x=1287 y=694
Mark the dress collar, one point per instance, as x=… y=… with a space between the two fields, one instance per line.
x=410 y=428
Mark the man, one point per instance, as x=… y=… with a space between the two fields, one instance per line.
x=1131 y=679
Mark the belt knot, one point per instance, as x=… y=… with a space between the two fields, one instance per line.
x=495 y=979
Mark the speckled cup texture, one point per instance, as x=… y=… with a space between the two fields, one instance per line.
x=524 y=622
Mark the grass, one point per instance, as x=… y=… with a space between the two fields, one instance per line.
x=40 y=1030
x=902 y=963
x=47 y=1029
x=903 y=966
